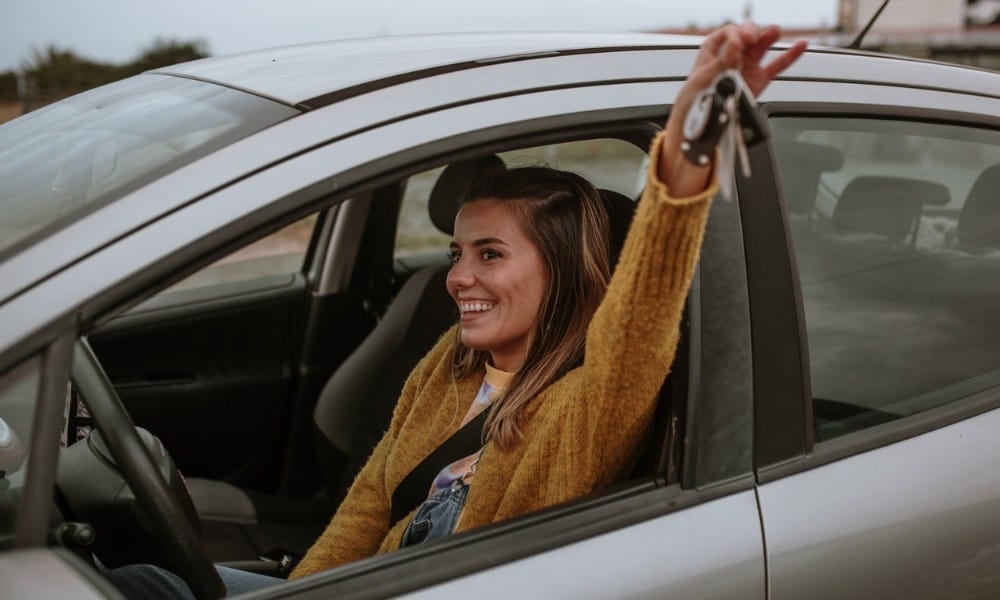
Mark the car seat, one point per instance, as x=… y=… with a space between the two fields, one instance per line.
x=355 y=406
x=979 y=220
x=886 y=206
x=802 y=165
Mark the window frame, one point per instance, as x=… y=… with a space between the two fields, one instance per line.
x=34 y=514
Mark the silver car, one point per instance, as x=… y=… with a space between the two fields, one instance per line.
x=241 y=257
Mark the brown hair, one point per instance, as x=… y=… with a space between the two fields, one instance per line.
x=566 y=218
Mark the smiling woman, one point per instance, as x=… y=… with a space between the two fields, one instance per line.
x=535 y=269
x=497 y=280
x=531 y=263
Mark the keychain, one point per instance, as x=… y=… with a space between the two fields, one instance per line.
x=724 y=115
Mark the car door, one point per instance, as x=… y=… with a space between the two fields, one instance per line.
x=689 y=525
x=696 y=532
x=878 y=463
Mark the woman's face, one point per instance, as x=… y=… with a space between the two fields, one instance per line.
x=497 y=279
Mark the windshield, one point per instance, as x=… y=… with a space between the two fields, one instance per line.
x=70 y=157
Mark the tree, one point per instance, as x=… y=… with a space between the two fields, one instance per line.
x=54 y=71
x=58 y=72
x=165 y=52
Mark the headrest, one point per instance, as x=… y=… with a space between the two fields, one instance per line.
x=621 y=209
x=820 y=156
x=885 y=205
x=979 y=221
x=802 y=165
x=450 y=187
x=453 y=181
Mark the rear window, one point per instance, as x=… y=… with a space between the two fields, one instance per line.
x=70 y=157
x=896 y=226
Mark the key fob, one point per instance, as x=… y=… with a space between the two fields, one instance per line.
x=707 y=119
x=698 y=116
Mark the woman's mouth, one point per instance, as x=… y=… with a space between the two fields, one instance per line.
x=473 y=308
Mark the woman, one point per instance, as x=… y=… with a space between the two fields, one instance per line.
x=566 y=358
x=529 y=244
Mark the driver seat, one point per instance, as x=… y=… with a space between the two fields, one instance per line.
x=355 y=406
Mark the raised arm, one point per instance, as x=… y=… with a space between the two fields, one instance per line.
x=633 y=336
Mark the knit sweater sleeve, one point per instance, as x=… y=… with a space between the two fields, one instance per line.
x=633 y=336
x=363 y=518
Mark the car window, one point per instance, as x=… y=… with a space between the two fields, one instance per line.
x=608 y=164
x=18 y=397
x=280 y=253
x=896 y=228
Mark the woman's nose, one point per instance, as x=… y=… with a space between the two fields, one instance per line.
x=460 y=275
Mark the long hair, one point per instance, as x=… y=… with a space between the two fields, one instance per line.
x=565 y=217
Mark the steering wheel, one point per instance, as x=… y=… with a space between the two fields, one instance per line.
x=171 y=523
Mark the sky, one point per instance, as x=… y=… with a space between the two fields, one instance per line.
x=118 y=30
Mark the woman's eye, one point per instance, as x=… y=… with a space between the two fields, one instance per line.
x=490 y=254
x=454 y=256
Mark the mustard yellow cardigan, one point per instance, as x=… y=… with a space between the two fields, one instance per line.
x=579 y=434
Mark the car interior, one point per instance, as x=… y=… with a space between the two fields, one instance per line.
x=269 y=395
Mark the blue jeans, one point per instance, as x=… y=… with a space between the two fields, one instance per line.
x=151 y=582
x=437 y=516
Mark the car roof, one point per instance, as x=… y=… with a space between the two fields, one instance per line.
x=305 y=73
x=317 y=74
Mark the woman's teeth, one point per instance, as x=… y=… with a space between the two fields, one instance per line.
x=474 y=307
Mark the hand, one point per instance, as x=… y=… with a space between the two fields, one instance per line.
x=730 y=47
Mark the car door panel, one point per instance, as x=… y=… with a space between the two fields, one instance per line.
x=709 y=551
x=184 y=363
x=915 y=519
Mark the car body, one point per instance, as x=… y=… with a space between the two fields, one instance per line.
x=829 y=427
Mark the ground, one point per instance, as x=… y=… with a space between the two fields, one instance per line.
x=9 y=110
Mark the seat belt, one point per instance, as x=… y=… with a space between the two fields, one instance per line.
x=413 y=489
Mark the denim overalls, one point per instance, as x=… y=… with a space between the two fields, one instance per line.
x=437 y=516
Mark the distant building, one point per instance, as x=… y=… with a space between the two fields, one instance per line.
x=904 y=16
x=958 y=31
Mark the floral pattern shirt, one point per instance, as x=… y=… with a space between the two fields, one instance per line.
x=494 y=383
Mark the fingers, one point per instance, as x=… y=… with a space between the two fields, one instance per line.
x=783 y=60
x=742 y=47
x=729 y=54
x=749 y=32
x=721 y=50
x=714 y=41
x=732 y=45
x=763 y=41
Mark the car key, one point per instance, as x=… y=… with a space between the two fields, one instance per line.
x=723 y=115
